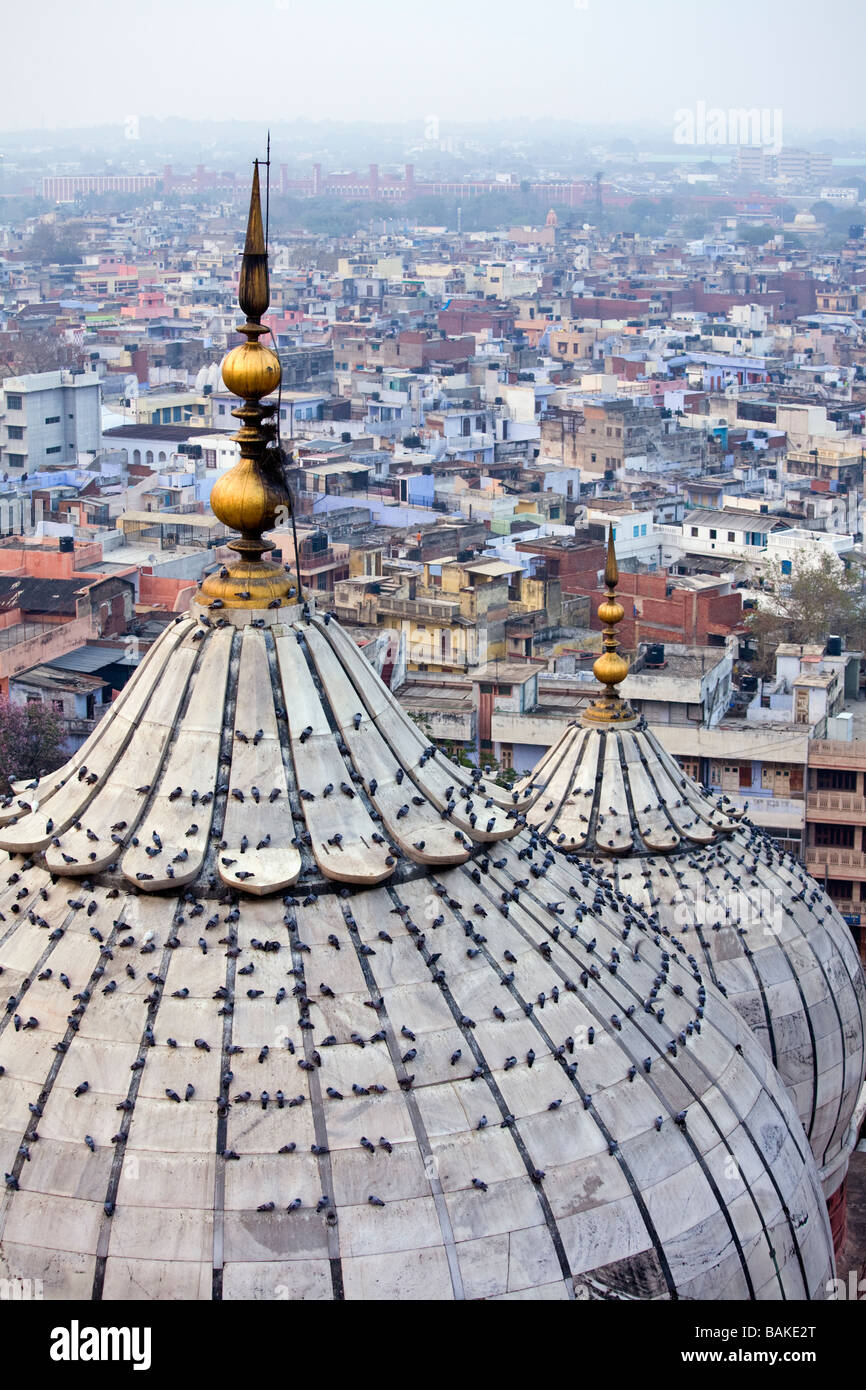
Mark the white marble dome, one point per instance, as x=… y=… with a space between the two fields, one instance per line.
x=762 y=929
x=296 y=1009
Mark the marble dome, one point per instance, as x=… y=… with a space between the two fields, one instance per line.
x=768 y=937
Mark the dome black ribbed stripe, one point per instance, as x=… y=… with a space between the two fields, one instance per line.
x=422 y=1138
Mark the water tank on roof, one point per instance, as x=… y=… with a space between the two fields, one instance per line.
x=749 y=684
x=655 y=655
x=834 y=646
x=67 y=545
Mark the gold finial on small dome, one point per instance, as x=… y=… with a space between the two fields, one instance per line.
x=611 y=668
x=254 y=494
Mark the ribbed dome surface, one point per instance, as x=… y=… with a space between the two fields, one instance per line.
x=763 y=930
x=230 y=717
x=437 y=1067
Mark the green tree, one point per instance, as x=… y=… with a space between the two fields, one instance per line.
x=31 y=742
x=818 y=597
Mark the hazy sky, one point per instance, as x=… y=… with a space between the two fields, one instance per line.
x=95 y=61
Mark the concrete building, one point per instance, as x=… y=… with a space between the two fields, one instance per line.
x=48 y=419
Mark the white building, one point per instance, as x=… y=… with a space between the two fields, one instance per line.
x=48 y=419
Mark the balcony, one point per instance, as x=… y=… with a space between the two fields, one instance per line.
x=834 y=752
x=431 y=609
x=835 y=863
x=851 y=909
x=771 y=811
x=834 y=806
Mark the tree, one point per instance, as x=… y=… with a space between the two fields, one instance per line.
x=54 y=245
x=31 y=742
x=817 y=597
x=40 y=352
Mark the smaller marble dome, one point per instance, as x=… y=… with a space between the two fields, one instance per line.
x=769 y=938
x=771 y=941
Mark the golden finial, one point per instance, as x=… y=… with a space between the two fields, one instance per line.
x=611 y=667
x=254 y=494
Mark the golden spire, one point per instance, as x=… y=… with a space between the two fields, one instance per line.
x=254 y=494
x=611 y=667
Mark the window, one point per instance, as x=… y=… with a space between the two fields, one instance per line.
x=839 y=888
x=16 y=460
x=840 y=835
x=16 y=431
x=643 y=529
x=14 y=402
x=835 y=780
x=635 y=530
x=57 y=706
x=54 y=450
x=732 y=535
x=694 y=530
x=52 y=419
x=713 y=535
x=506 y=759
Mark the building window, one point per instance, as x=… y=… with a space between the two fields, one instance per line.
x=839 y=835
x=54 y=450
x=835 y=780
x=713 y=535
x=16 y=431
x=57 y=706
x=14 y=402
x=839 y=888
x=694 y=530
x=506 y=760
x=52 y=419
x=732 y=535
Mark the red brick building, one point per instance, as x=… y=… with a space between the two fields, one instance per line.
x=658 y=608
